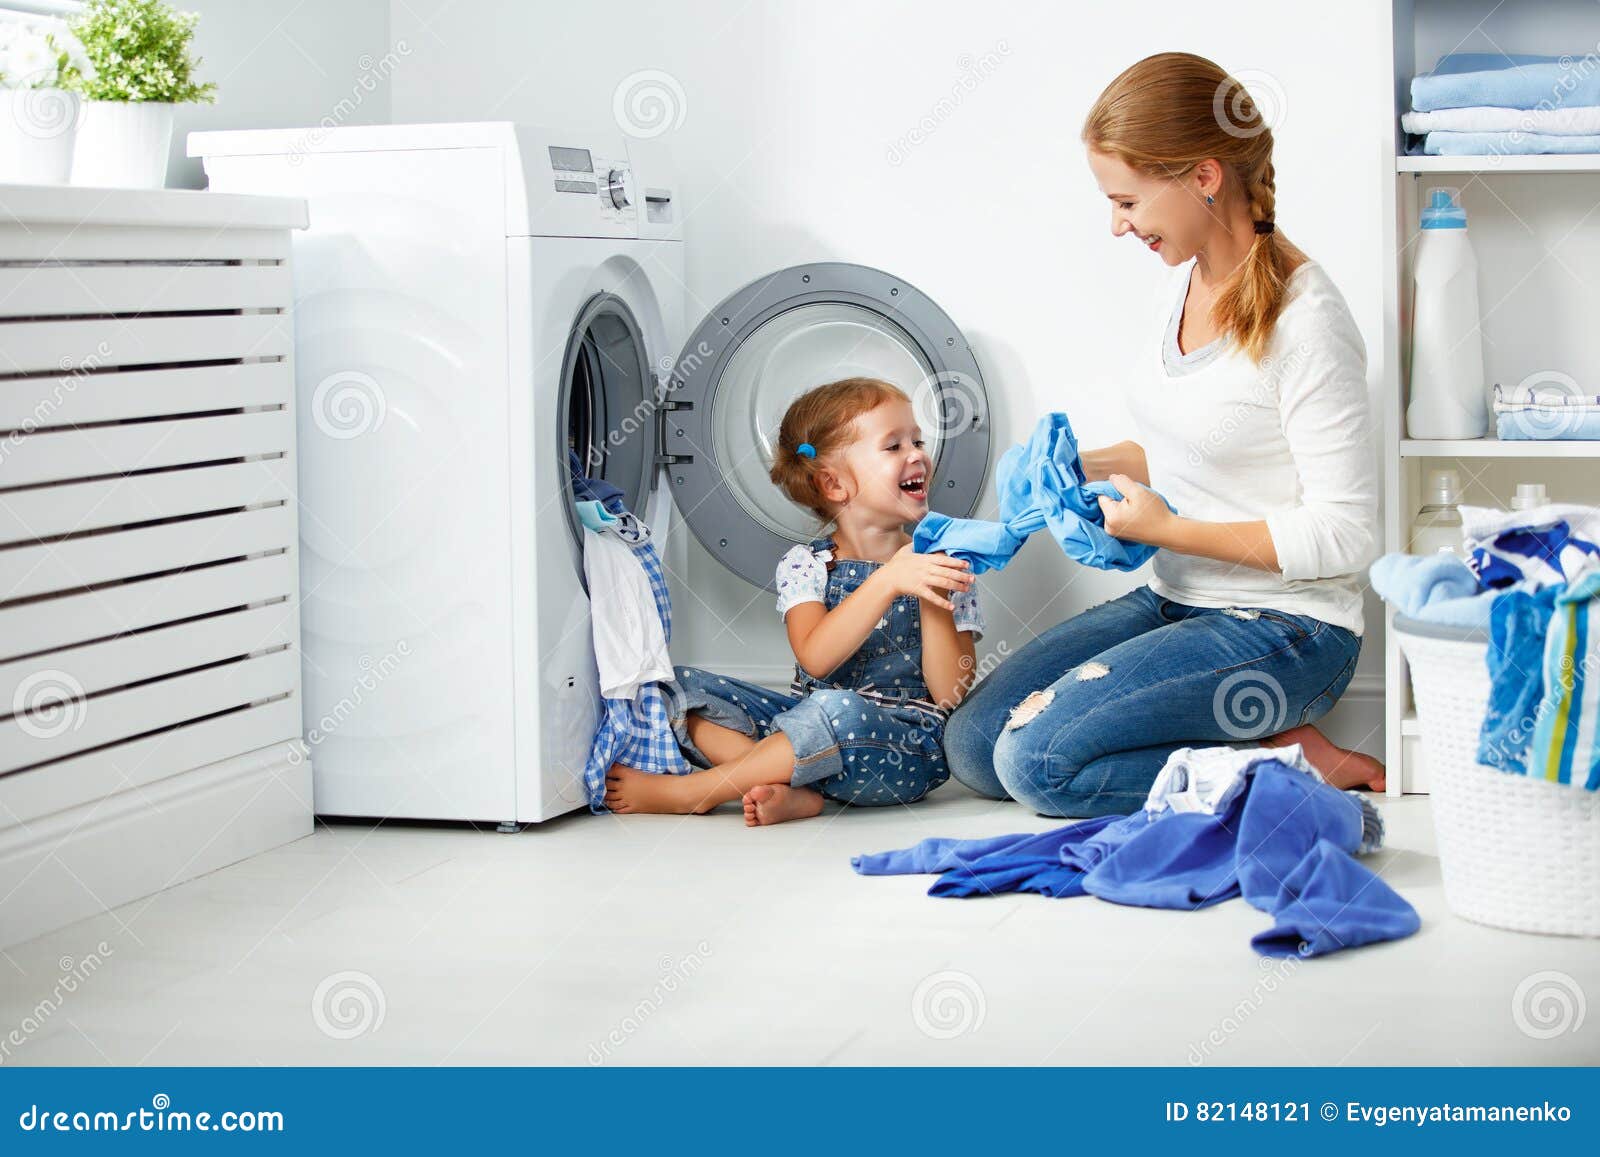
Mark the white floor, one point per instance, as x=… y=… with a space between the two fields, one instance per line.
x=664 y=940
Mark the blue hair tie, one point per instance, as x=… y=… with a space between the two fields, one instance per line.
x=806 y=449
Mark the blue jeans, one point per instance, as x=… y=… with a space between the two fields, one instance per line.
x=849 y=747
x=1080 y=720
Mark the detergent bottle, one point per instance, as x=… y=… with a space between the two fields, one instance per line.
x=1438 y=524
x=1448 y=398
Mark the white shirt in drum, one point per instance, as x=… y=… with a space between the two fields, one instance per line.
x=1289 y=441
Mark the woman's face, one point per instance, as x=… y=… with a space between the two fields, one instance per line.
x=1168 y=215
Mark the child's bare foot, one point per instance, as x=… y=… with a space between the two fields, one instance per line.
x=1341 y=768
x=774 y=803
x=631 y=790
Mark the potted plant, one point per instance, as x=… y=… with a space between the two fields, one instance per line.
x=141 y=68
x=38 y=117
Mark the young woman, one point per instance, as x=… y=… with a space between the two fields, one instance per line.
x=1252 y=416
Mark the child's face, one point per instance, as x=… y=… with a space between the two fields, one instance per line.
x=888 y=465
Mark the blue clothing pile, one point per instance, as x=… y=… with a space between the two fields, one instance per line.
x=1461 y=108
x=1532 y=583
x=1283 y=840
x=1041 y=486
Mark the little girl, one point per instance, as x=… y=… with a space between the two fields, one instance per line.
x=882 y=636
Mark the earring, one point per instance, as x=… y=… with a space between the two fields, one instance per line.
x=1210 y=200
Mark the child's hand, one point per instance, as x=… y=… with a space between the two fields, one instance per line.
x=931 y=577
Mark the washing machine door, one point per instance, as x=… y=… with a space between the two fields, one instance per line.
x=777 y=338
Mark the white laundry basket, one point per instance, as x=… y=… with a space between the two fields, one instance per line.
x=1515 y=852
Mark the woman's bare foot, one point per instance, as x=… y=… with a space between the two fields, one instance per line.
x=774 y=803
x=631 y=790
x=1341 y=768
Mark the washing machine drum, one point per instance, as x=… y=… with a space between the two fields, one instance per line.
x=772 y=341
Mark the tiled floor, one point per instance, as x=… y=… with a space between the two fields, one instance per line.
x=646 y=940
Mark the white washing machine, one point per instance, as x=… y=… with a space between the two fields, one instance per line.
x=472 y=302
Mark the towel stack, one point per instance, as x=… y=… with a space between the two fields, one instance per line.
x=1481 y=103
x=1550 y=412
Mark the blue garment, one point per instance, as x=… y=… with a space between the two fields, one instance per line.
x=1545 y=546
x=1284 y=844
x=1564 y=747
x=636 y=732
x=586 y=489
x=1443 y=143
x=593 y=515
x=868 y=734
x=1433 y=588
x=1123 y=685
x=1466 y=80
x=1517 y=628
x=1041 y=486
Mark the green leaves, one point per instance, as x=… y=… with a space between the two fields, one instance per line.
x=139 y=50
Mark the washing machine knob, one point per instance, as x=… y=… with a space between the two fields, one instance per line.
x=619 y=186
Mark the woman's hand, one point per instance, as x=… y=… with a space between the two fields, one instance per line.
x=1141 y=516
x=931 y=577
x=1123 y=458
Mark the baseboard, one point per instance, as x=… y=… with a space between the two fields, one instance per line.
x=63 y=867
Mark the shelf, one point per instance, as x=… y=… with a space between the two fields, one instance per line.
x=1494 y=448
x=1547 y=163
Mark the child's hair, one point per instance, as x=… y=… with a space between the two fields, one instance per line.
x=823 y=418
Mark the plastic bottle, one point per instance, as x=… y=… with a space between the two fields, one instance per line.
x=1438 y=524
x=1448 y=397
x=1530 y=495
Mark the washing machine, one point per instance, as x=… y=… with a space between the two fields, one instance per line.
x=474 y=305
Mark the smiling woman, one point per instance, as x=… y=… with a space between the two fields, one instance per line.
x=1253 y=422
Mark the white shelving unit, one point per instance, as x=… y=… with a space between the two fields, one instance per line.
x=1535 y=226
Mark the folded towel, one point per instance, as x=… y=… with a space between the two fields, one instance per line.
x=1513 y=144
x=1547 y=391
x=1580 y=121
x=1548 y=424
x=1526 y=82
x=1546 y=546
x=1042 y=487
x=1435 y=588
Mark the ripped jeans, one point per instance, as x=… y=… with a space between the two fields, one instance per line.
x=1080 y=720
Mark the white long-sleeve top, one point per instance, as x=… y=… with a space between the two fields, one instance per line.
x=1289 y=441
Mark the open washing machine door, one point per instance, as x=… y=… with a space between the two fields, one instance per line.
x=609 y=393
x=777 y=338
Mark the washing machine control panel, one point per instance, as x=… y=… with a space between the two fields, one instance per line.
x=609 y=181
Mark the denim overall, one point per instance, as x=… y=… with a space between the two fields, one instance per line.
x=868 y=734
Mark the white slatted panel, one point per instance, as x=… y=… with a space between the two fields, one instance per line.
x=148 y=528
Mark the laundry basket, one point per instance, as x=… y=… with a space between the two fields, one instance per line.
x=1515 y=852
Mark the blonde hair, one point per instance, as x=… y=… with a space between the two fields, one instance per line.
x=1165 y=115
x=823 y=418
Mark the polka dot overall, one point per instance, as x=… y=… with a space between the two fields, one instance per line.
x=868 y=734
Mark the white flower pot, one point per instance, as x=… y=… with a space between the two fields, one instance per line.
x=37 y=128
x=123 y=145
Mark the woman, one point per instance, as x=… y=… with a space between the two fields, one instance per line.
x=1253 y=420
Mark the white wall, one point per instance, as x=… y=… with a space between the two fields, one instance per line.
x=283 y=66
x=796 y=145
